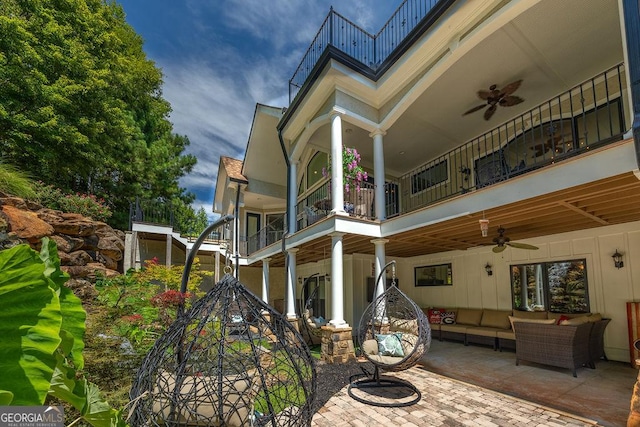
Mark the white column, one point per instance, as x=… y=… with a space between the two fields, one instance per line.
x=291 y=284
x=337 y=178
x=293 y=196
x=380 y=261
x=265 y=280
x=337 y=282
x=378 y=173
x=167 y=259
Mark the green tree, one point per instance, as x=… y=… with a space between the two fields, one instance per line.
x=81 y=106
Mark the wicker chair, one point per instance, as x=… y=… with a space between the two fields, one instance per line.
x=391 y=315
x=312 y=325
x=596 y=341
x=561 y=346
x=231 y=360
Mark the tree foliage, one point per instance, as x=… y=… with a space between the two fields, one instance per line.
x=81 y=106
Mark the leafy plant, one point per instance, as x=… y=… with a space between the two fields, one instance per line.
x=353 y=174
x=42 y=325
x=83 y=204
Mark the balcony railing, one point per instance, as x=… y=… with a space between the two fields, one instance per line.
x=266 y=236
x=371 y=50
x=589 y=115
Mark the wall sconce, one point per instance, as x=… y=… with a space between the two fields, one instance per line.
x=488 y=269
x=617 y=259
x=484 y=227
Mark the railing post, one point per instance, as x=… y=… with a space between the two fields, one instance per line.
x=331 y=14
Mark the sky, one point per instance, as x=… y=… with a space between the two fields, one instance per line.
x=221 y=57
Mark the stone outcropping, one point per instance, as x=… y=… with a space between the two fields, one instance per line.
x=87 y=248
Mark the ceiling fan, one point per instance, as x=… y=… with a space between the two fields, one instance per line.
x=503 y=241
x=495 y=97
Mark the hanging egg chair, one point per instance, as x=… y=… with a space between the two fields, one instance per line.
x=393 y=335
x=312 y=322
x=230 y=360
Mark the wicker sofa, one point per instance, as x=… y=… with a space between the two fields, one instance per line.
x=496 y=327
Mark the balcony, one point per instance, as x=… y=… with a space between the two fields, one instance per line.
x=373 y=51
x=585 y=117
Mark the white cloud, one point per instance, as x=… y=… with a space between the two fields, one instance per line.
x=247 y=51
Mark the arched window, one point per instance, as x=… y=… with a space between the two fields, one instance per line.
x=315 y=167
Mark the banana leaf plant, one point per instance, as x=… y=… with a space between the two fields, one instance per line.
x=42 y=327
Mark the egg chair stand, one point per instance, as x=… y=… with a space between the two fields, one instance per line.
x=393 y=335
x=228 y=360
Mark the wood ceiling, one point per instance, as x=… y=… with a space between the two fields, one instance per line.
x=609 y=201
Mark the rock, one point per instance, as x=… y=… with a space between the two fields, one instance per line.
x=49 y=215
x=83 y=289
x=90 y=243
x=90 y=271
x=75 y=227
x=26 y=224
x=107 y=261
x=63 y=245
x=68 y=216
x=75 y=258
x=33 y=206
x=103 y=229
x=16 y=202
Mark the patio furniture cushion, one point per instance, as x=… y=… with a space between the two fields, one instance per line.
x=390 y=344
x=469 y=316
x=575 y=321
x=513 y=320
x=199 y=401
x=496 y=319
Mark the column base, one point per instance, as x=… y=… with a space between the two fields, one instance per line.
x=337 y=344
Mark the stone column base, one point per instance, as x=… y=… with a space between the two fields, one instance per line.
x=337 y=345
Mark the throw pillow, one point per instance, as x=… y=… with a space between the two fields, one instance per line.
x=390 y=345
x=575 y=321
x=434 y=316
x=561 y=319
x=448 y=318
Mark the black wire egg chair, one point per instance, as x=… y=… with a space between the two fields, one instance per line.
x=393 y=335
x=312 y=325
x=230 y=360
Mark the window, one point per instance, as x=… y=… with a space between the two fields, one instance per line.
x=314 y=169
x=429 y=177
x=559 y=286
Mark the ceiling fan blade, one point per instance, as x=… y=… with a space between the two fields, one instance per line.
x=490 y=111
x=510 y=100
x=511 y=87
x=484 y=94
x=498 y=249
x=474 y=109
x=522 y=245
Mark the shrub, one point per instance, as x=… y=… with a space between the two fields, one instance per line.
x=83 y=204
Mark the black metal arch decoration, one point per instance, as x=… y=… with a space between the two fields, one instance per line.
x=231 y=360
x=392 y=313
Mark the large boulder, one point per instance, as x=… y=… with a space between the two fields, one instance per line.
x=91 y=271
x=26 y=224
x=79 y=227
x=75 y=258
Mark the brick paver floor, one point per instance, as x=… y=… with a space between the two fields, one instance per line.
x=445 y=402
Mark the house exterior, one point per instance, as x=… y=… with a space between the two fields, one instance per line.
x=512 y=114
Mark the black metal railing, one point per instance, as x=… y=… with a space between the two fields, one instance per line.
x=369 y=49
x=151 y=212
x=266 y=236
x=589 y=115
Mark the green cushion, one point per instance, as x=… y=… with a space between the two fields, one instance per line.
x=390 y=345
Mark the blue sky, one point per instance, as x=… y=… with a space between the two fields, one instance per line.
x=221 y=57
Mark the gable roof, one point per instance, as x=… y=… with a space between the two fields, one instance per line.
x=233 y=168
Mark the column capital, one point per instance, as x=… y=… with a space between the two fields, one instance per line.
x=336 y=234
x=377 y=132
x=337 y=111
x=266 y=260
x=379 y=241
x=292 y=250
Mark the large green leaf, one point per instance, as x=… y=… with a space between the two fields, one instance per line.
x=73 y=314
x=30 y=323
x=5 y=398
